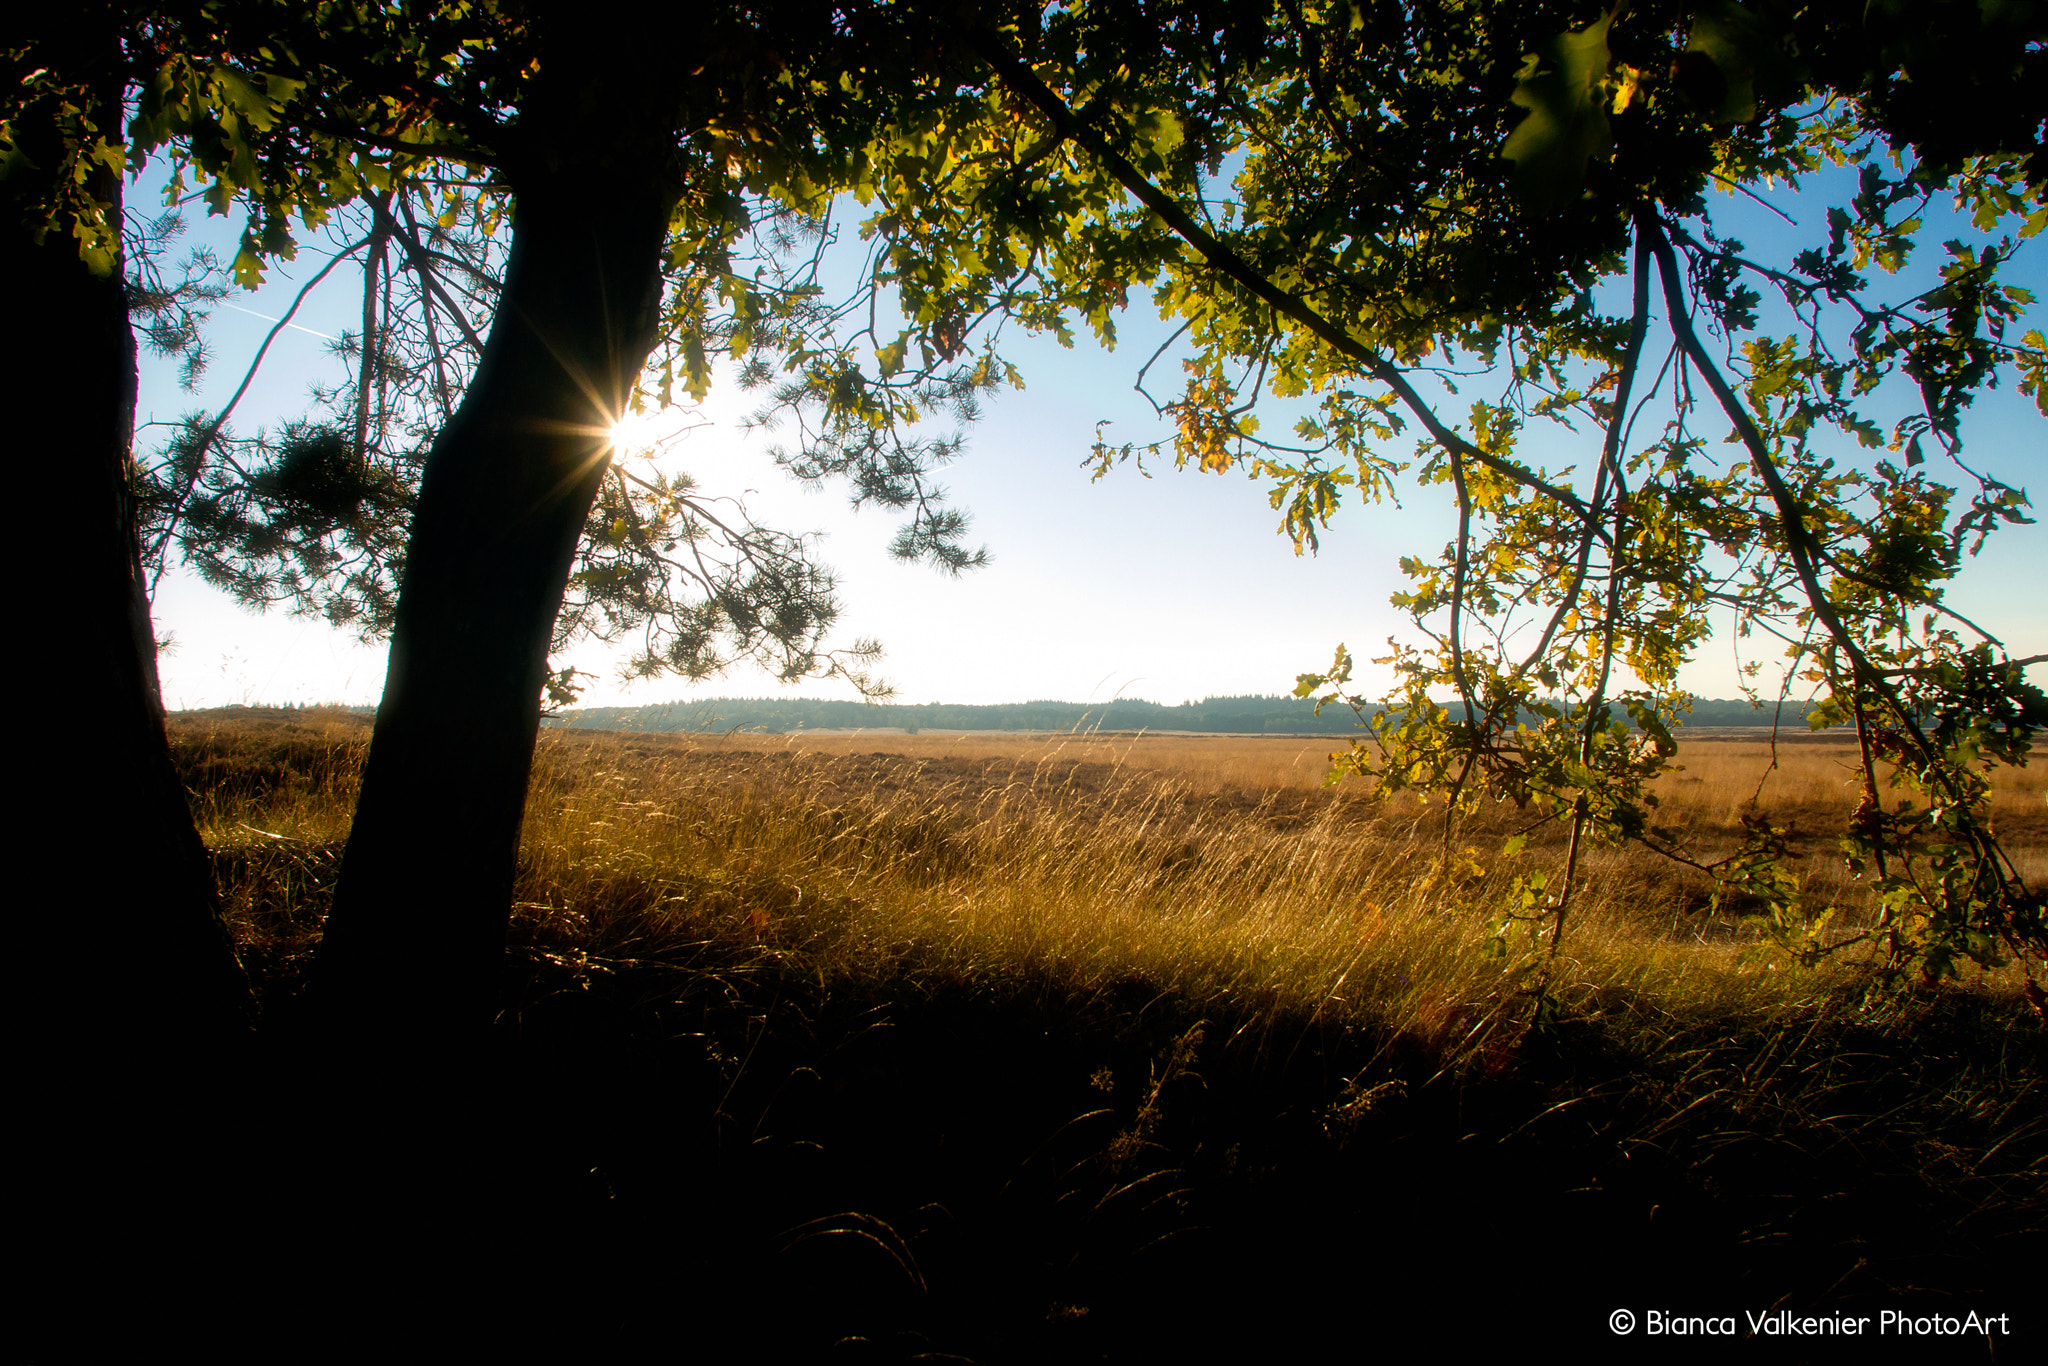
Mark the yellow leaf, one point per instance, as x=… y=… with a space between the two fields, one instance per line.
x=1631 y=86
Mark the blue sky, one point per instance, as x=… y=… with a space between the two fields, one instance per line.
x=1167 y=588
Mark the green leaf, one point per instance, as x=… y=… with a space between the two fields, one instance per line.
x=890 y=357
x=1562 y=87
x=253 y=105
x=248 y=268
x=1745 y=48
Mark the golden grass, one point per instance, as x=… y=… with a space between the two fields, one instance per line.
x=1807 y=784
x=1208 y=762
x=1030 y=1010
x=1811 y=777
x=1215 y=869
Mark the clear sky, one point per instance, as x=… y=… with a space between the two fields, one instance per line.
x=1168 y=588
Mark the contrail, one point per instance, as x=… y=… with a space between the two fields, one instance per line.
x=267 y=318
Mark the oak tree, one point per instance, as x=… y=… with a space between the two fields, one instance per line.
x=146 y=921
x=1362 y=208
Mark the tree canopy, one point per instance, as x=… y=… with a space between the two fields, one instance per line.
x=314 y=516
x=1366 y=207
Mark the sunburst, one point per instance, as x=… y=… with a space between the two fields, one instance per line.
x=640 y=433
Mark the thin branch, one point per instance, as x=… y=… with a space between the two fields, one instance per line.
x=366 y=359
x=1800 y=542
x=425 y=266
x=434 y=351
x=1610 y=456
x=1922 y=671
x=1019 y=76
x=156 y=552
x=1742 y=189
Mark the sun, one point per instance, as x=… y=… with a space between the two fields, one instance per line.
x=639 y=433
x=651 y=432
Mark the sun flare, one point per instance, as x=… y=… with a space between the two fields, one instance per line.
x=638 y=433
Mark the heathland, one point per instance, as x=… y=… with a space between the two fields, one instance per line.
x=1079 y=1047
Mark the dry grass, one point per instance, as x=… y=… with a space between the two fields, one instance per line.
x=1079 y=1049
x=1218 y=869
x=1208 y=762
x=1718 y=771
x=1237 y=878
x=1811 y=784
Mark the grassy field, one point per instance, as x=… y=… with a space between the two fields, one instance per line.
x=1081 y=1048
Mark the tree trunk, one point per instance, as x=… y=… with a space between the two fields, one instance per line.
x=132 y=1012
x=413 y=949
x=125 y=956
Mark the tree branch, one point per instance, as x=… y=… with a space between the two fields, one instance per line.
x=425 y=267
x=156 y=552
x=1800 y=542
x=1018 y=75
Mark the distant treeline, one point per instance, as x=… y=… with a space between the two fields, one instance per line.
x=1216 y=715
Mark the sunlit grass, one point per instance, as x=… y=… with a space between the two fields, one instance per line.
x=1020 y=1012
x=1220 y=871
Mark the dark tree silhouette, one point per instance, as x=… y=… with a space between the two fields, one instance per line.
x=416 y=935
x=125 y=955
